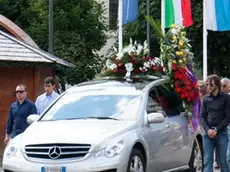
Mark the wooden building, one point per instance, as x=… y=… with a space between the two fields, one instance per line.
x=21 y=62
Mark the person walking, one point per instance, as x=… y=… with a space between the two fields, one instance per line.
x=215 y=117
x=202 y=89
x=225 y=87
x=19 y=111
x=44 y=100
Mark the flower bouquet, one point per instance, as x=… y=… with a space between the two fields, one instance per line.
x=178 y=59
x=133 y=63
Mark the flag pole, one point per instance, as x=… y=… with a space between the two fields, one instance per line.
x=120 y=29
x=163 y=16
x=205 y=60
x=148 y=25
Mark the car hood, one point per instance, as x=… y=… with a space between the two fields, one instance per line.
x=74 y=131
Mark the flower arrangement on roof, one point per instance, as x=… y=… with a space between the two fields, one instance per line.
x=133 y=62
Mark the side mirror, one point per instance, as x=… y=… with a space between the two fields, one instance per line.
x=32 y=118
x=155 y=118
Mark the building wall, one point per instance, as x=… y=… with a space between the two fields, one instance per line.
x=112 y=34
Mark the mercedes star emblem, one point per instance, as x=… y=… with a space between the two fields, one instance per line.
x=54 y=152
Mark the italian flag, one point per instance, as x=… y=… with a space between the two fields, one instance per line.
x=178 y=12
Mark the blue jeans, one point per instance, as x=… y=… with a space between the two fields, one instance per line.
x=228 y=152
x=220 y=142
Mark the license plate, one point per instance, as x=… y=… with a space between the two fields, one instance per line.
x=53 y=169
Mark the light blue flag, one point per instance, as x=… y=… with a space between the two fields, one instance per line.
x=129 y=11
x=218 y=15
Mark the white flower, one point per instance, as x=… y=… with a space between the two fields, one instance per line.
x=174 y=31
x=113 y=66
x=139 y=49
x=158 y=60
x=146 y=64
x=152 y=62
x=119 y=55
x=129 y=49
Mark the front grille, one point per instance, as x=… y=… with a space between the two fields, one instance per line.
x=57 y=151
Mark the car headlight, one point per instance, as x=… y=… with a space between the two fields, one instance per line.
x=113 y=149
x=11 y=150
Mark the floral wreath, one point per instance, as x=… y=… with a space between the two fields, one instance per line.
x=133 y=63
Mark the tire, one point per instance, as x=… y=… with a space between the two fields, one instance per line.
x=136 y=162
x=196 y=163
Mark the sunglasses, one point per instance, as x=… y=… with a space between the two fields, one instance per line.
x=210 y=84
x=20 y=91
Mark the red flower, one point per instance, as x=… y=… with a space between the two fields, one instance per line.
x=136 y=71
x=105 y=68
x=143 y=58
x=114 y=70
x=143 y=70
x=155 y=68
x=174 y=66
x=133 y=55
x=120 y=64
x=161 y=69
x=122 y=70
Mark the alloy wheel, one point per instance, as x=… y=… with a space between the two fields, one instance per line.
x=136 y=164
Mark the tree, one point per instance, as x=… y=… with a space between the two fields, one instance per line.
x=218 y=46
x=79 y=31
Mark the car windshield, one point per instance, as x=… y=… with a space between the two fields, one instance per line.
x=105 y=106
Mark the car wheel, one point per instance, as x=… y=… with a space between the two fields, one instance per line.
x=136 y=162
x=196 y=163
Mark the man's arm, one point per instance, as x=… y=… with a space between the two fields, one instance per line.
x=37 y=102
x=226 y=121
x=33 y=109
x=203 y=116
x=9 y=126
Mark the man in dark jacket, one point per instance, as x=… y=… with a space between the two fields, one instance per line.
x=215 y=117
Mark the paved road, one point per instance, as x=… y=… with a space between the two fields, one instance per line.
x=214 y=170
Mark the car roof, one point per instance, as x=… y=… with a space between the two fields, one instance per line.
x=114 y=84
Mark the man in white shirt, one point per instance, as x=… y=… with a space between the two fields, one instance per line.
x=44 y=100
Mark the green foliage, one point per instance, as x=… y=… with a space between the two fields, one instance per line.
x=79 y=31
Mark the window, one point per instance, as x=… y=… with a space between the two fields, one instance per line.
x=85 y=105
x=169 y=100
x=153 y=104
x=113 y=14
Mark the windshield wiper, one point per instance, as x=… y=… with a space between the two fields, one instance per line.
x=93 y=117
x=102 y=117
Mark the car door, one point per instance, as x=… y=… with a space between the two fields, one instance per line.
x=181 y=137
x=158 y=137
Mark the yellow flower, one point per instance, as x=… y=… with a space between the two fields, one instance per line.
x=174 y=61
x=184 y=59
x=174 y=38
x=178 y=53
x=173 y=25
x=180 y=61
x=181 y=53
x=181 y=43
